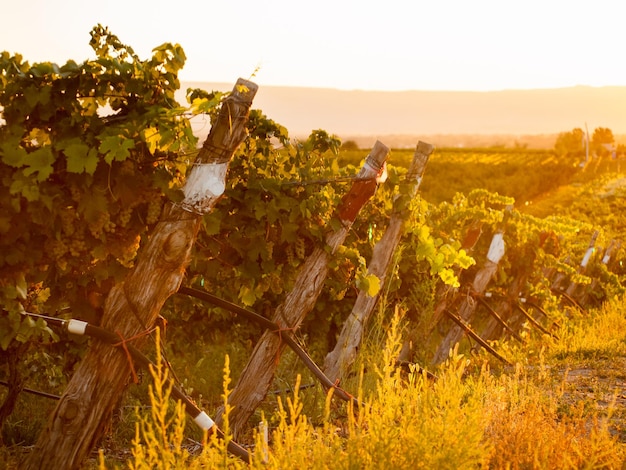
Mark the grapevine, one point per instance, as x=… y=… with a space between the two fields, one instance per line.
x=89 y=152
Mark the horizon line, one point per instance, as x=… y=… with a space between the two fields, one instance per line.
x=405 y=90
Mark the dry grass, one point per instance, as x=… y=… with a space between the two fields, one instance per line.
x=534 y=416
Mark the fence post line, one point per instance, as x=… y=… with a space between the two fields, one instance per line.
x=256 y=377
x=132 y=306
x=342 y=356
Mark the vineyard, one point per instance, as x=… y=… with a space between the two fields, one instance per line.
x=339 y=290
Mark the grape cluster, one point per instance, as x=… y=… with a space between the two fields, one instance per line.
x=67 y=216
x=276 y=283
x=102 y=224
x=290 y=254
x=127 y=167
x=124 y=216
x=58 y=249
x=129 y=251
x=76 y=193
x=300 y=248
x=77 y=247
x=154 y=211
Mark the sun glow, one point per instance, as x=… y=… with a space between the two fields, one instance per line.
x=449 y=45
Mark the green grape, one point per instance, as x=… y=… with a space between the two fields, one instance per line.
x=276 y=283
x=59 y=249
x=300 y=248
x=68 y=218
x=98 y=226
x=124 y=216
x=154 y=211
x=290 y=255
x=77 y=248
x=109 y=226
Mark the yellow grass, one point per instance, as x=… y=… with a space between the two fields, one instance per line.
x=524 y=418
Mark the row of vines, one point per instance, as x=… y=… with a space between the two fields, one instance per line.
x=90 y=153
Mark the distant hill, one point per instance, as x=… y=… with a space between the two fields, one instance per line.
x=406 y=114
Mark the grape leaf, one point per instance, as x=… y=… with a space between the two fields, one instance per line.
x=212 y=225
x=116 y=148
x=247 y=296
x=152 y=138
x=21 y=287
x=40 y=161
x=13 y=154
x=81 y=159
x=370 y=284
x=23 y=185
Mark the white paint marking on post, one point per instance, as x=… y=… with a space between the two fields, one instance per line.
x=587 y=257
x=77 y=327
x=606 y=259
x=204 y=421
x=206 y=180
x=496 y=249
x=382 y=174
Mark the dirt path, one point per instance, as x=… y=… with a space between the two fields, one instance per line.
x=599 y=383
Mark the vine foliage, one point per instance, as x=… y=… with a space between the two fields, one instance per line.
x=88 y=154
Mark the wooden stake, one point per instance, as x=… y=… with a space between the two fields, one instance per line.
x=132 y=307
x=342 y=356
x=257 y=376
x=468 y=307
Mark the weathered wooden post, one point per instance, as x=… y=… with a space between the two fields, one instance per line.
x=506 y=309
x=256 y=378
x=342 y=356
x=468 y=306
x=132 y=307
x=583 y=298
x=574 y=287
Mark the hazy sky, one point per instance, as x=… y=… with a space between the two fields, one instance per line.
x=351 y=44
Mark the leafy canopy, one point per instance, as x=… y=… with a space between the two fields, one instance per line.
x=88 y=153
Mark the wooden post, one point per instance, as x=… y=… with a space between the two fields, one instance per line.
x=256 y=378
x=342 y=356
x=574 y=287
x=506 y=306
x=583 y=298
x=497 y=319
x=468 y=306
x=79 y=420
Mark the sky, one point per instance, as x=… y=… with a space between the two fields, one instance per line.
x=390 y=45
